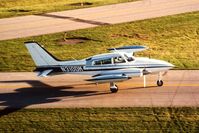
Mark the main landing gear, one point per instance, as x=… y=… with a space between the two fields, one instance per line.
x=113 y=87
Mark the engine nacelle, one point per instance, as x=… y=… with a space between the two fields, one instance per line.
x=109 y=78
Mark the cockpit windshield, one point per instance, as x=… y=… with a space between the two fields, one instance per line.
x=129 y=59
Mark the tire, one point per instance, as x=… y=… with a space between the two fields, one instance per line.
x=114 y=89
x=159 y=83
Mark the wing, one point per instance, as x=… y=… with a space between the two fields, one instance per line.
x=128 y=49
x=116 y=75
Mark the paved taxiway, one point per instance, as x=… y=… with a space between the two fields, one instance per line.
x=25 y=90
x=32 y=25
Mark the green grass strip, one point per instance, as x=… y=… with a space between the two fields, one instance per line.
x=181 y=119
x=172 y=38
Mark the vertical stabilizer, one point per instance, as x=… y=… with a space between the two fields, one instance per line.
x=40 y=56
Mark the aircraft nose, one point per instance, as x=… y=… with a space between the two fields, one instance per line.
x=167 y=64
x=172 y=65
x=164 y=63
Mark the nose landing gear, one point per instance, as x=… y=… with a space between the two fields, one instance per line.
x=160 y=81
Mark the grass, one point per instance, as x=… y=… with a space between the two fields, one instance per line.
x=10 y=8
x=184 y=119
x=171 y=38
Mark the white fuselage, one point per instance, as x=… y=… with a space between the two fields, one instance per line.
x=139 y=63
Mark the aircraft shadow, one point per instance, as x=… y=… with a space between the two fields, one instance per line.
x=74 y=19
x=38 y=93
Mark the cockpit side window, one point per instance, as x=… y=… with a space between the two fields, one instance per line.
x=103 y=62
x=118 y=60
x=107 y=61
x=97 y=62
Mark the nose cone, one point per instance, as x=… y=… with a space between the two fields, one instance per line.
x=166 y=64
x=154 y=65
x=170 y=65
x=162 y=63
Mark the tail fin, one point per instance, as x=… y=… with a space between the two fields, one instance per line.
x=40 y=56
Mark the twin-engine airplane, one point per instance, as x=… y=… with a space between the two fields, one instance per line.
x=119 y=65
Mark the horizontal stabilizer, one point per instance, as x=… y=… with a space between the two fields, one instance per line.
x=44 y=73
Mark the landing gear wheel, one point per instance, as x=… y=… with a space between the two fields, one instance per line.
x=114 y=89
x=160 y=83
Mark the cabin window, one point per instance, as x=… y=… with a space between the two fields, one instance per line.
x=103 y=62
x=119 y=60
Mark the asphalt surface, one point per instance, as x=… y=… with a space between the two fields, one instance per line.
x=25 y=90
x=33 y=25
